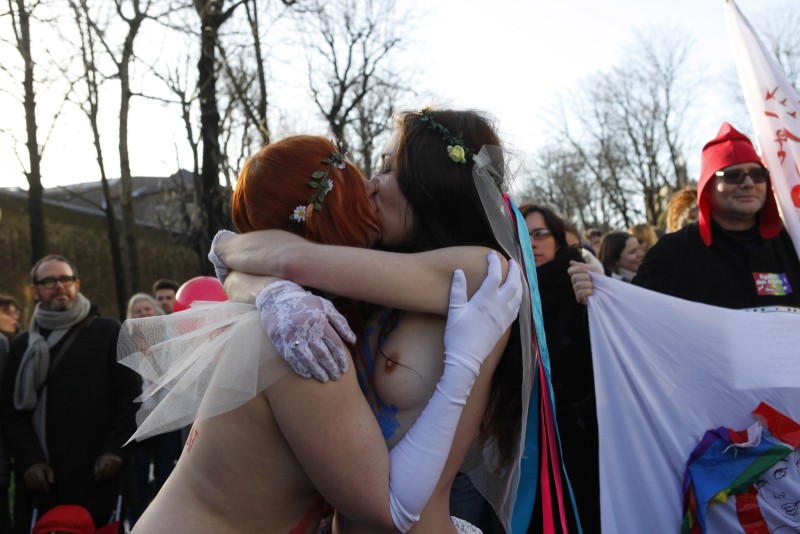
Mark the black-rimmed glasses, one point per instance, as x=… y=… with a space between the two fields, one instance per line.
x=51 y=281
x=736 y=177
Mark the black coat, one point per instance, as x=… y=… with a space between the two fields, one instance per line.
x=681 y=265
x=566 y=326
x=90 y=411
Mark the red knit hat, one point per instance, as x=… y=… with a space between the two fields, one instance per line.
x=731 y=147
x=65 y=518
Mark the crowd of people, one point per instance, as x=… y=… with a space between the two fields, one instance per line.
x=67 y=408
x=395 y=391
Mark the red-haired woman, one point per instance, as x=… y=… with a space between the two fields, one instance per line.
x=267 y=445
x=438 y=196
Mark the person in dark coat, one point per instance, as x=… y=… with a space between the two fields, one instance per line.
x=566 y=327
x=9 y=327
x=67 y=406
x=737 y=255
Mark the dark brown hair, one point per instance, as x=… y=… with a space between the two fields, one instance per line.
x=554 y=223
x=611 y=249
x=447 y=211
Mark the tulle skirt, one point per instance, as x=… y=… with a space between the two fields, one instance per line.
x=198 y=363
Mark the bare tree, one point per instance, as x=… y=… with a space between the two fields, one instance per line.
x=212 y=14
x=90 y=104
x=627 y=129
x=21 y=13
x=784 y=42
x=246 y=85
x=132 y=13
x=348 y=43
x=373 y=122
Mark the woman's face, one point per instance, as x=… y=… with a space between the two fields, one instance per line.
x=143 y=308
x=389 y=202
x=631 y=256
x=9 y=320
x=544 y=247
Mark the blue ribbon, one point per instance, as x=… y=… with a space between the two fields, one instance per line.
x=529 y=463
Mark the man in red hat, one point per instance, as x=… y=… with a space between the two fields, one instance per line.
x=737 y=255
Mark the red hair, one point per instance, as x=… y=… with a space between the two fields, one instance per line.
x=274 y=181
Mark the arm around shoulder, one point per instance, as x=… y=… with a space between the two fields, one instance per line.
x=414 y=282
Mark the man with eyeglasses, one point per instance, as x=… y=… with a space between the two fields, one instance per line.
x=67 y=407
x=737 y=255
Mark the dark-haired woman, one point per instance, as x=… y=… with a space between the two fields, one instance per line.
x=9 y=327
x=566 y=325
x=436 y=187
x=621 y=255
x=267 y=445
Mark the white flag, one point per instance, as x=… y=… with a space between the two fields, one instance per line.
x=773 y=106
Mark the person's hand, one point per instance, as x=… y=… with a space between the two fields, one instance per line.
x=581 y=281
x=106 y=466
x=475 y=326
x=39 y=477
x=303 y=328
x=220 y=268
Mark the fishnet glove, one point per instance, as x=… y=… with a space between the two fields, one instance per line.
x=220 y=268
x=303 y=327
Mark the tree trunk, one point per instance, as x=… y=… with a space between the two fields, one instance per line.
x=211 y=19
x=34 y=175
x=126 y=180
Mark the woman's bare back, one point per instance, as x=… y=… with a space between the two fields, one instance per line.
x=236 y=474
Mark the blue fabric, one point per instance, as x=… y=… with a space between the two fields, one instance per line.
x=386 y=414
x=719 y=466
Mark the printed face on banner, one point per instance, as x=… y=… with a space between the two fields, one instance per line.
x=779 y=487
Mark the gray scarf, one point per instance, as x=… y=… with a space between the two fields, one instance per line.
x=35 y=362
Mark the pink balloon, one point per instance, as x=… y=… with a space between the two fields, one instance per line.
x=199 y=288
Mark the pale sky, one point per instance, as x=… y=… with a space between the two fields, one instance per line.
x=513 y=58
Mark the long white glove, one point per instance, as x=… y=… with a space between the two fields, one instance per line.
x=303 y=328
x=473 y=329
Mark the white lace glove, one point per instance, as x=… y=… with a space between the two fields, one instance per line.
x=303 y=327
x=220 y=268
x=473 y=329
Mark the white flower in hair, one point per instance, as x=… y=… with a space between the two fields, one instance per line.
x=326 y=186
x=299 y=213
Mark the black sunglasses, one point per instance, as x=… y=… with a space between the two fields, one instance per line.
x=736 y=177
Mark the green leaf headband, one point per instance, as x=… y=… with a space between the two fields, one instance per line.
x=456 y=147
x=458 y=151
x=322 y=185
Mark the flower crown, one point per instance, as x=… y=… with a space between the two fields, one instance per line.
x=322 y=185
x=456 y=148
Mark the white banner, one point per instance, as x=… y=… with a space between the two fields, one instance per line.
x=666 y=370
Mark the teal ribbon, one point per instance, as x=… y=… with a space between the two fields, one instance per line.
x=529 y=464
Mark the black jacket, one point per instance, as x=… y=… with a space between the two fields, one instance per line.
x=90 y=411
x=723 y=274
